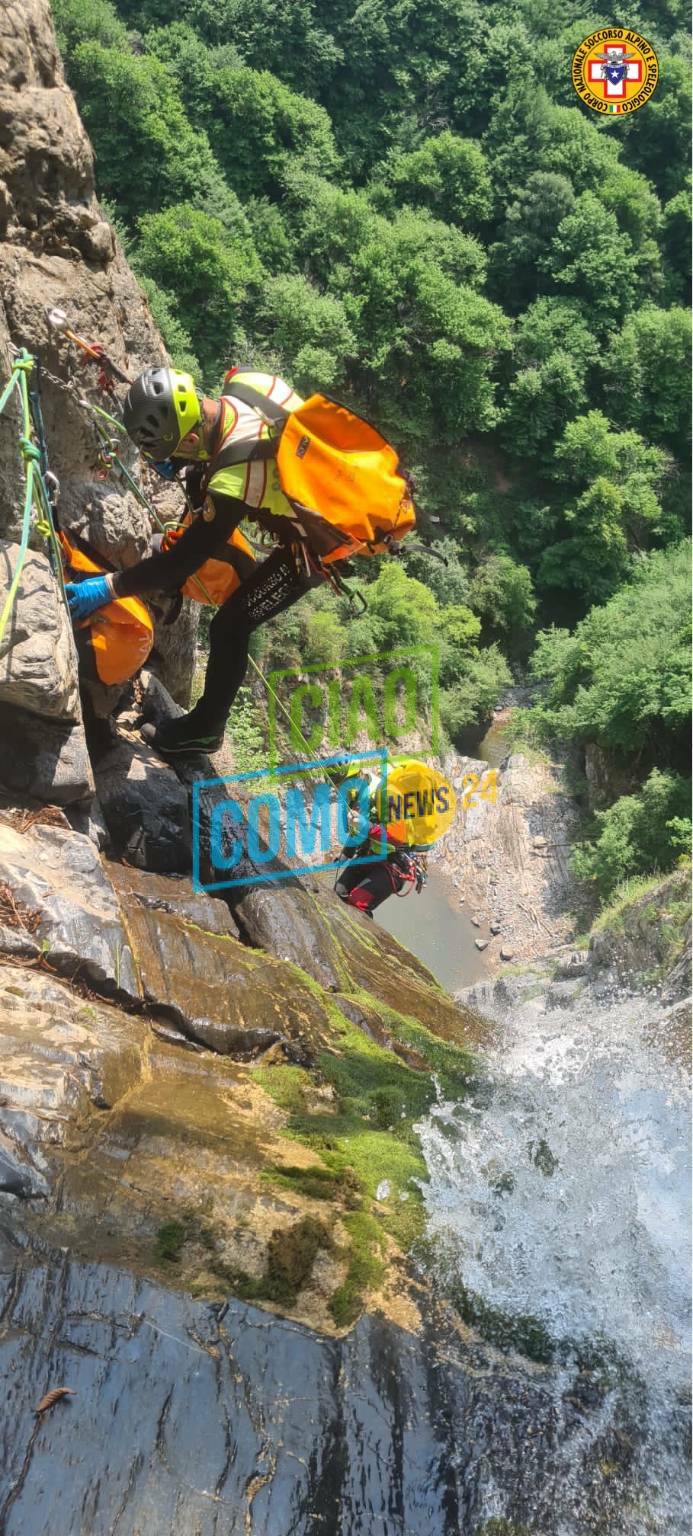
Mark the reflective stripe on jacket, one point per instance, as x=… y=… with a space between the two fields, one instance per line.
x=256 y=482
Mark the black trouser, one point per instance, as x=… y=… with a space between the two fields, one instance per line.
x=273 y=586
x=366 y=886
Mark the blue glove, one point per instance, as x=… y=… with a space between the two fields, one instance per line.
x=84 y=596
x=167 y=468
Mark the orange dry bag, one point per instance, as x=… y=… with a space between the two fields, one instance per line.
x=117 y=639
x=334 y=468
x=216 y=579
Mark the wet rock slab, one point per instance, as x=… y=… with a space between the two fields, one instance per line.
x=62 y=1059
x=280 y=916
x=216 y=1419
x=229 y=997
x=288 y=923
x=58 y=873
x=175 y=894
x=392 y=976
x=109 y=1135
x=219 y=1420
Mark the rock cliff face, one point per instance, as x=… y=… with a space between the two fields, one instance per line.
x=196 y=1095
x=57 y=250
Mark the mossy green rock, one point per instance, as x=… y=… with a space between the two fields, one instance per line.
x=254 y=1162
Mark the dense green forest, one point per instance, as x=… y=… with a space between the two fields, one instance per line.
x=405 y=204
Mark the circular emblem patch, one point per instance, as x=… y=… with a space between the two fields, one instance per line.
x=615 y=71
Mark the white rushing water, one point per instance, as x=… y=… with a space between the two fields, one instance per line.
x=563 y=1192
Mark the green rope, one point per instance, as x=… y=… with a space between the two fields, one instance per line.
x=30 y=454
x=9 y=389
x=45 y=525
x=112 y=458
x=294 y=728
x=138 y=493
x=99 y=411
x=22 y=364
x=45 y=522
x=36 y=492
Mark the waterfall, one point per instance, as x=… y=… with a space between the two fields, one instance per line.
x=557 y=1211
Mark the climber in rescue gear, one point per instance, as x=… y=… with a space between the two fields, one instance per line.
x=367 y=885
x=237 y=450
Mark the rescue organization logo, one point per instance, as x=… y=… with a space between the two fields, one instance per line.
x=615 y=71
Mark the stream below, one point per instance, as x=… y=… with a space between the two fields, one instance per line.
x=435 y=926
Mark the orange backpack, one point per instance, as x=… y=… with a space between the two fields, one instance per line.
x=339 y=474
x=117 y=639
x=216 y=579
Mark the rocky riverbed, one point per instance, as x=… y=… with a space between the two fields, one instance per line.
x=508 y=854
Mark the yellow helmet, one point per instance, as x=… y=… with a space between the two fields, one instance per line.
x=160 y=408
x=416 y=803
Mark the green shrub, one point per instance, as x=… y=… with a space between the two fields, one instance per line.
x=639 y=834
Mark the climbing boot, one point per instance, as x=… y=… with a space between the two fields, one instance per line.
x=174 y=737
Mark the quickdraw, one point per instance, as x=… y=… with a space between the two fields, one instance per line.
x=341 y=587
x=92 y=352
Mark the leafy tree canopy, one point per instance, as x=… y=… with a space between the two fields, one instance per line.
x=406 y=204
x=447 y=174
x=622 y=678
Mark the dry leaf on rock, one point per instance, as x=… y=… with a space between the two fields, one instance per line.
x=53 y=1397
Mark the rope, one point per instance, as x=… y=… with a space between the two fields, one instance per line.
x=112 y=461
x=98 y=410
x=48 y=486
x=23 y=362
x=31 y=455
x=37 y=493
